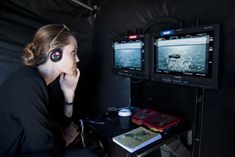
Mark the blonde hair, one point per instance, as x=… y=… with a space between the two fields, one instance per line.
x=36 y=52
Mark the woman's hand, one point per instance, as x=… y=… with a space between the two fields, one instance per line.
x=68 y=84
x=70 y=133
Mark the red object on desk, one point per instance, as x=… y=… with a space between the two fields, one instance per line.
x=155 y=120
x=140 y=115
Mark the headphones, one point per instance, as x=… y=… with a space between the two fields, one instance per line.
x=56 y=54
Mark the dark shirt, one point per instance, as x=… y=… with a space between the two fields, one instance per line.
x=24 y=125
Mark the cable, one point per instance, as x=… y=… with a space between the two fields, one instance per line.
x=112 y=108
x=95 y=122
x=83 y=5
x=82 y=133
x=164 y=21
x=116 y=108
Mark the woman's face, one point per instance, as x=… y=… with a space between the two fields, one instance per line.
x=68 y=63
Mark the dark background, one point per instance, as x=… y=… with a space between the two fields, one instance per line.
x=98 y=88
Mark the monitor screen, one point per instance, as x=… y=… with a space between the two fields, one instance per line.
x=129 y=56
x=187 y=56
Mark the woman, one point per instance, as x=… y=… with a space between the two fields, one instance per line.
x=25 y=129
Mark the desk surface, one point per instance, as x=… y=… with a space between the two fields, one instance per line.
x=112 y=128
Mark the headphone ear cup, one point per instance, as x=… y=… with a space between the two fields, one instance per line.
x=56 y=54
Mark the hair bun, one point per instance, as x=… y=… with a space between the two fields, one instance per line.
x=29 y=56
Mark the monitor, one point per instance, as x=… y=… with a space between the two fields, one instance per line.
x=129 y=56
x=188 y=56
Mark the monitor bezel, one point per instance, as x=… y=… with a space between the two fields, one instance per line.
x=209 y=81
x=129 y=71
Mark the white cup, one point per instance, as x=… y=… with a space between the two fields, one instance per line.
x=125 y=118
